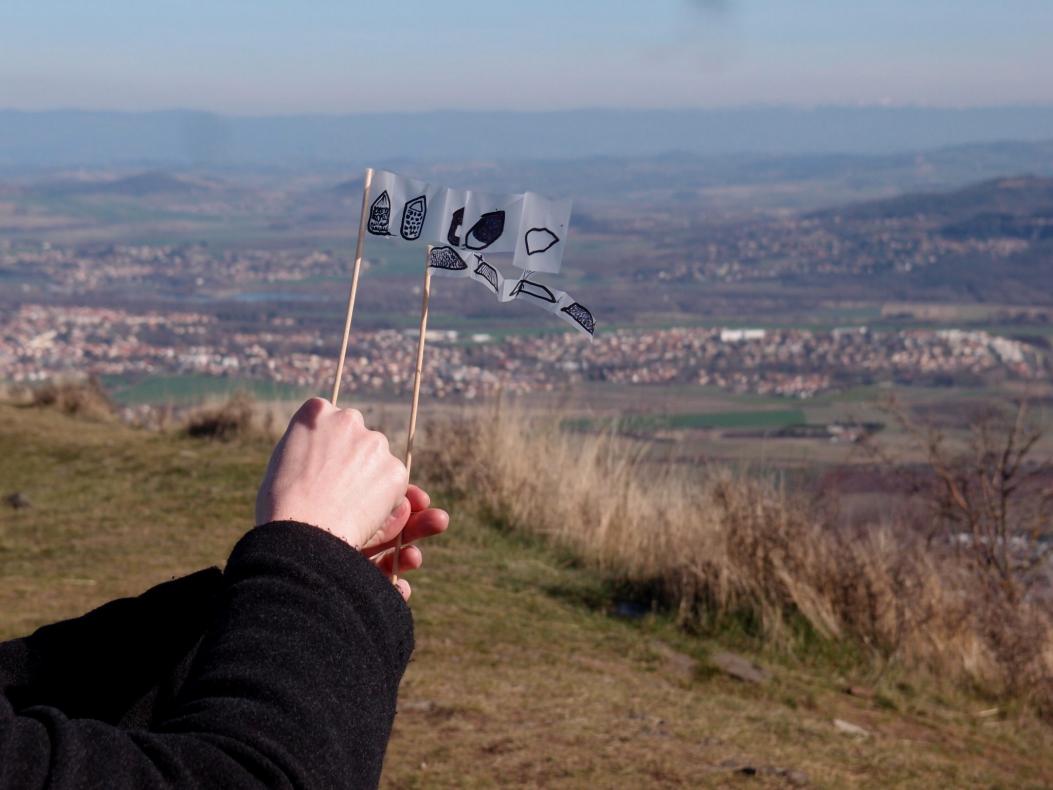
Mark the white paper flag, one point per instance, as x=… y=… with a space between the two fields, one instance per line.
x=450 y=262
x=529 y=228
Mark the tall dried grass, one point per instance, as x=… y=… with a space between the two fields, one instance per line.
x=716 y=546
x=239 y=416
x=77 y=397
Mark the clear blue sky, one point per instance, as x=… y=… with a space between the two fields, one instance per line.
x=338 y=56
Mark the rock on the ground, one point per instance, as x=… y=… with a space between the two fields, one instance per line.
x=739 y=667
x=17 y=500
x=848 y=728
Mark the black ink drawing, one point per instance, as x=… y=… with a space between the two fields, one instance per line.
x=446 y=258
x=581 y=316
x=413 y=218
x=487 y=272
x=486 y=231
x=380 y=215
x=540 y=240
x=536 y=290
x=455 y=225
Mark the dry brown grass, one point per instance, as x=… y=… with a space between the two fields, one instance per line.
x=237 y=417
x=717 y=547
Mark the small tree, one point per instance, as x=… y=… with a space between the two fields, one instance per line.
x=993 y=501
x=991 y=504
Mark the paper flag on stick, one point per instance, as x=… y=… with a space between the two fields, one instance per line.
x=448 y=262
x=529 y=228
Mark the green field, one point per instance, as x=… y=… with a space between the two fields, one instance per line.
x=193 y=389
x=721 y=419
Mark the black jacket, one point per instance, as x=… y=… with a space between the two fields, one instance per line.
x=281 y=671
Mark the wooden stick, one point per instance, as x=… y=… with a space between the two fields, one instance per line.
x=354 y=282
x=416 y=392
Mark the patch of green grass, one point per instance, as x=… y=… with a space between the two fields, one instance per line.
x=192 y=389
x=722 y=419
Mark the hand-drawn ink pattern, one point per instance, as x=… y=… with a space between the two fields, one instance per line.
x=446 y=258
x=540 y=240
x=455 y=225
x=413 y=218
x=582 y=316
x=380 y=215
x=486 y=231
x=487 y=272
x=536 y=290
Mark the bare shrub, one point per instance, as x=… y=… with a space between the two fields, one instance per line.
x=990 y=505
x=715 y=544
x=234 y=418
x=76 y=397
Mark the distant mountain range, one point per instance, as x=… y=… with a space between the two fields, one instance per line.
x=145 y=184
x=1019 y=207
x=73 y=138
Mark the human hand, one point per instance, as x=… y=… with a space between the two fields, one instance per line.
x=415 y=520
x=330 y=471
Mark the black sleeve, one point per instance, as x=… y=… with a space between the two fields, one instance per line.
x=118 y=663
x=293 y=685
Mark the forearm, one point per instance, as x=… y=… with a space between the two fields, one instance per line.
x=115 y=663
x=294 y=684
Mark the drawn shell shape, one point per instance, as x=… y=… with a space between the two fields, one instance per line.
x=380 y=215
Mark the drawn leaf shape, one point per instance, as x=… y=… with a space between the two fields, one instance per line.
x=536 y=290
x=446 y=258
x=487 y=272
x=539 y=240
x=485 y=231
x=455 y=225
x=582 y=316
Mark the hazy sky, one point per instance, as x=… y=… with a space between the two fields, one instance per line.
x=338 y=56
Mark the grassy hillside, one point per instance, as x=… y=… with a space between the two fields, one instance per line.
x=524 y=675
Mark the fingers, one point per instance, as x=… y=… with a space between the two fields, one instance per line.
x=404 y=589
x=410 y=559
x=391 y=527
x=418 y=526
x=418 y=498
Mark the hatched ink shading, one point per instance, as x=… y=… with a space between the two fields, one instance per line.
x=413 y=218
x=540 y=240
x=486 y=231
x=487 y=272
x=582 y=316
x=380 y=215
x=446 y=258
x=455 y=225
x=537 y=290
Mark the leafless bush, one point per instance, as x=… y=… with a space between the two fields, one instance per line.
x=76 y=397
x=991 y=506
x=716 y=544
x=229 y=420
